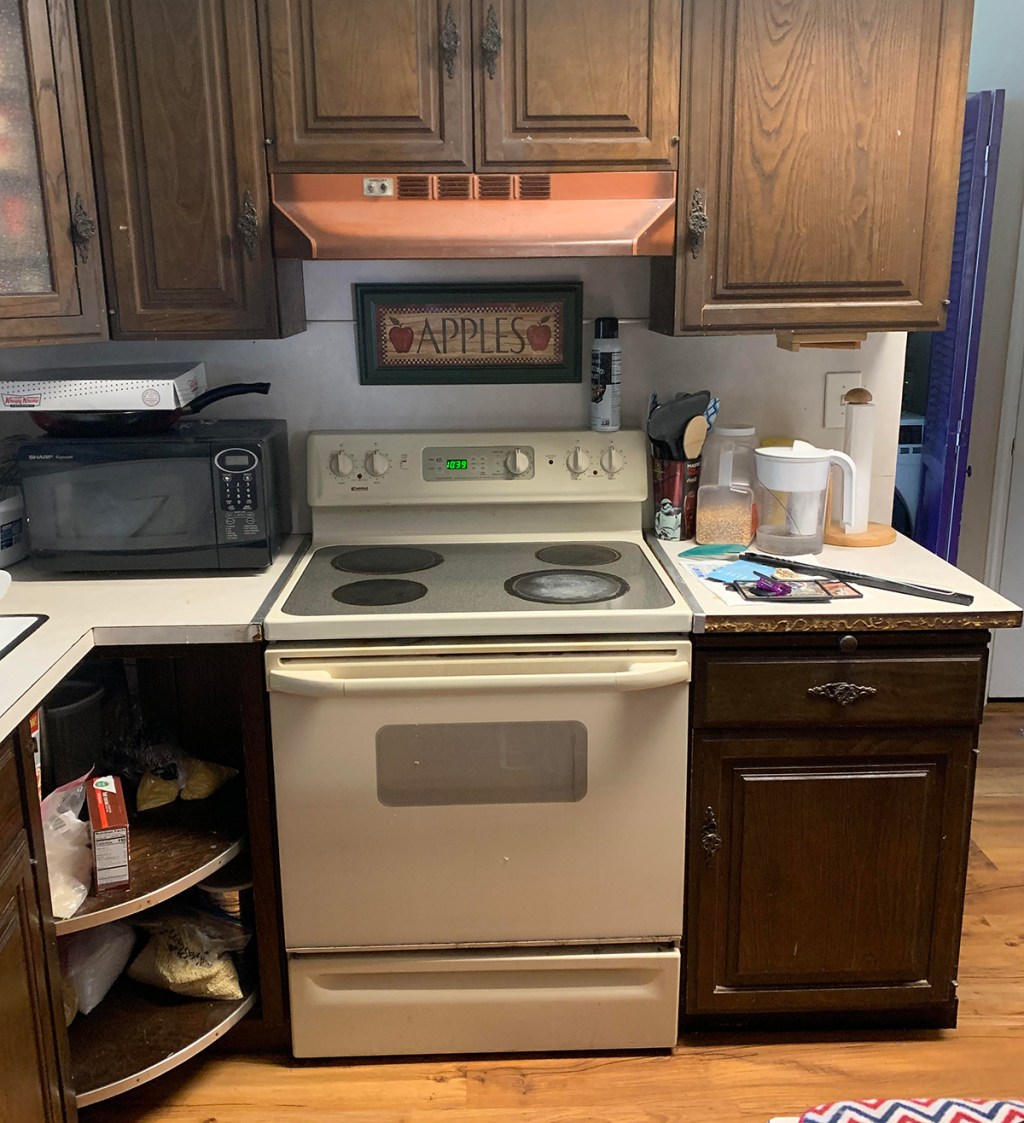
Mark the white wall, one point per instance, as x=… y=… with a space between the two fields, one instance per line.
x=316 y=383
x=995 y=64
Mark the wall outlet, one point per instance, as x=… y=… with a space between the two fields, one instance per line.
x=379 y=186
x=836 y=385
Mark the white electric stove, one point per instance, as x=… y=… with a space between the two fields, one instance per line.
x=476 y=534
x=478 y=684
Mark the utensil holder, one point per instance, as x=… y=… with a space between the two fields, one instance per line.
x=675 y=498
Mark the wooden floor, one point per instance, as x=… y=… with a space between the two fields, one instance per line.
x=726 y=1078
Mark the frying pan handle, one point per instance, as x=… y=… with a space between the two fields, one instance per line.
x=201 y=401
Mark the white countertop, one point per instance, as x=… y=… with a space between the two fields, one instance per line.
x=877 y=610
x=86 y=612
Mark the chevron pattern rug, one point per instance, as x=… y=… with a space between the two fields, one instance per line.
x=917 y=1111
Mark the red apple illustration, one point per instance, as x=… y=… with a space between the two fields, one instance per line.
x=401 y=337
x=539 y=334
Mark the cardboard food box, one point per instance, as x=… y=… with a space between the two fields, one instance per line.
x=108 y=818
x=112 y=387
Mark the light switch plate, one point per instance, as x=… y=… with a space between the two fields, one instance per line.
x=836 y=385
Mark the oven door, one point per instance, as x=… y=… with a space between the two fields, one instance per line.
x=482 y=796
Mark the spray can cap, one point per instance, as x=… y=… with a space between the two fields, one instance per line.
x=606 y=327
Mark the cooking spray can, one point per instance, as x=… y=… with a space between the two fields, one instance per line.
x=605 y=376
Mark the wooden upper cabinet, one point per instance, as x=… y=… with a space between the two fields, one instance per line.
x=820 y=164
x=377 y=85
x=387 y=85
x=176 y=108
x=577 y=83
x=51 y=284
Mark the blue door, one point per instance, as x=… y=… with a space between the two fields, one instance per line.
x=954 y=354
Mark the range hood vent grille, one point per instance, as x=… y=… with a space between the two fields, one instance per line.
x=534 y=186
x=413 y=187
x=454 y=187
x=494 y=187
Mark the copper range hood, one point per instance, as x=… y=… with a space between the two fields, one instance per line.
x=411 y=215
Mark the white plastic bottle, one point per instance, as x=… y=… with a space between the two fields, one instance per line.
x=605 y=376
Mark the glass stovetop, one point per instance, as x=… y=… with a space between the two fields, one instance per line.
x=473 y=577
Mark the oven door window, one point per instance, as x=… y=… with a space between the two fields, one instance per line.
x=481 y=762
x=133 y=506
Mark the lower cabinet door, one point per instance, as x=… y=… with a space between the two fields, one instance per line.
x=493 y=1001
x=29 y=1091
x=826 y=873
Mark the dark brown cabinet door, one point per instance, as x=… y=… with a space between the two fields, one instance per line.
x=577 y=83
x=177 y=115
x=826 y=872
x=33 y=1044
x=29 y=1090
x=821 y=156
x=373 y=85
x=51 y=289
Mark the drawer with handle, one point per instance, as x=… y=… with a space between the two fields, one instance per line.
x=759 y=691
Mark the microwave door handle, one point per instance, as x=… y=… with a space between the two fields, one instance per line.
x=320 y=684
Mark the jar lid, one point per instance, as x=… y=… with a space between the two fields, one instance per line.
x=733 y=430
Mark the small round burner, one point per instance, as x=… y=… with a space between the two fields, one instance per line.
x=566 y=586
x=578 y=554
x=380 y=592
x=386 y=559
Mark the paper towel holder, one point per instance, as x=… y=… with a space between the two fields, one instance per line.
x=859 y=422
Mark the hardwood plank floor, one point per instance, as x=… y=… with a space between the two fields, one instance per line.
x=722 y=1078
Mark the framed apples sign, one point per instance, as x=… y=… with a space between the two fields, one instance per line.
x=423 y=334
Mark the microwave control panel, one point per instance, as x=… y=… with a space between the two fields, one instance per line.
x=236 y=478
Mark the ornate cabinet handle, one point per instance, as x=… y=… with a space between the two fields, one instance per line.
x=845 y=693
x=83 y=229
x=450 y=42
x=490 y=42
x=710 y=839
x=697 y=222
x=249 y=226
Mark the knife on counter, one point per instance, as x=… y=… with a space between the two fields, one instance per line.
x=888 y=584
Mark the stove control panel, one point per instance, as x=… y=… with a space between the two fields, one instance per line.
x=374 y=469
x=457 y=463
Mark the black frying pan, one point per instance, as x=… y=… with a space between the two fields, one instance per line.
x=134 y=422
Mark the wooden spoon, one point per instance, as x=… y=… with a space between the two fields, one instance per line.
x=693 y=436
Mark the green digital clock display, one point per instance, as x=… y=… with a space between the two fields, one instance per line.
x=456 y=465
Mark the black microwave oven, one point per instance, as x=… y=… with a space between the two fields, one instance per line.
x=205 y=495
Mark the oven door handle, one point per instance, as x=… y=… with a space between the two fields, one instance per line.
x=321 y=684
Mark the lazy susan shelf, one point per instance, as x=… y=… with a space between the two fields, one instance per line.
x=138 y=1033
x=172 y=849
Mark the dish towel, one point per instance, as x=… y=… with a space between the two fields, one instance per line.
x=917 y=1111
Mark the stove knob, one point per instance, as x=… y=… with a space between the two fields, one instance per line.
x=517 y=462
x=612 y=460
x=578 y=461
x=377 y=463
x=342 y=464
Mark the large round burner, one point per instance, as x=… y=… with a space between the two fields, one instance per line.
x=578 y=554
x=566 y=586
x=386 y=590
x=386 y=559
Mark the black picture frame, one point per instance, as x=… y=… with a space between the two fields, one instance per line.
x=490 y=306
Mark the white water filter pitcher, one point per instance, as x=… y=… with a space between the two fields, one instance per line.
x=791 y=489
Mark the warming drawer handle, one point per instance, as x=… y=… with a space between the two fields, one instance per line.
x=320 y=684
